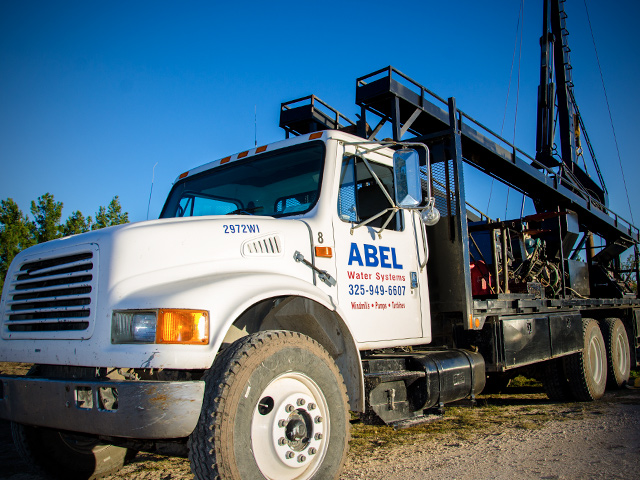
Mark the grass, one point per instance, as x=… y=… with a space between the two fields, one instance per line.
x=523 y=406
x=459 y=423
x=523 y=382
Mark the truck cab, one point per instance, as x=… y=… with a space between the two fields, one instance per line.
x=128 y=326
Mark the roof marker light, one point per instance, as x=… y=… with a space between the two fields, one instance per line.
x=313 y=136
x=182 y=175
x=261 y=149
x=224 y=160
x=243 y=154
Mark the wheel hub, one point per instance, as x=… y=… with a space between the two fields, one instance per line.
x=290 y=428
x=298 y=426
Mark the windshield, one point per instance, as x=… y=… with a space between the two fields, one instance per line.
x=275 y=184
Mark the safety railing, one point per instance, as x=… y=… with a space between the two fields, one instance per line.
x=427 y=95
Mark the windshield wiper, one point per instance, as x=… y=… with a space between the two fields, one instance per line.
x=245 y=211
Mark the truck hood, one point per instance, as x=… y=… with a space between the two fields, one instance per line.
x=142 y=265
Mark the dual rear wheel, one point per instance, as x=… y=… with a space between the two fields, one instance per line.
x=604 y=360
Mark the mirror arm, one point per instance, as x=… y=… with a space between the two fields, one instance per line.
x=391 y=210
x=384 y=144
x=378 y=181
x=424 y=239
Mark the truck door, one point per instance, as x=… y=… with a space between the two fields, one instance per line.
x=378 y=274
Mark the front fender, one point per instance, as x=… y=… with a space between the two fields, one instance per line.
x=225 y=296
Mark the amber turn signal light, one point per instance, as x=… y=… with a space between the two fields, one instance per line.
x=183 y=326
x=324 y=252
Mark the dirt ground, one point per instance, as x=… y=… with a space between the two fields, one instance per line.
x=518 y=434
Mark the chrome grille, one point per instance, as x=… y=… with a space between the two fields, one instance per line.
x=52 y=294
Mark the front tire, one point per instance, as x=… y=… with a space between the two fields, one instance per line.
x=275 y=407
x=65 y=455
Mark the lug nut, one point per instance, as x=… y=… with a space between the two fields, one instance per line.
x=290 y=454
x=289 y=408
x=312 y=451
x=301 y=402
x=301 y=458
x=318 y=436
x=311 y=406
x=318 y=419
x=282 y=423
x=282 y=441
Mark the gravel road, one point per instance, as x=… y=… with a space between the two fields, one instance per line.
x=524 y=437
x=601 y=443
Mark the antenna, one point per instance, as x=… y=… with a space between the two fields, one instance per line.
x=153 y=173
x=255 y=123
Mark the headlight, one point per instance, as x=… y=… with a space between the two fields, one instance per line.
x=143 y=327
x=160 y=326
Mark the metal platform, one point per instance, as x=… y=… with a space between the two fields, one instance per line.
x=415 y=114
x=412 y=109
x=310 y=114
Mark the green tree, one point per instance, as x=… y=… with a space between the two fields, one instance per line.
x=76 y=223
x=16 y=234
x=629 y=266
x=47 y=213
x=110 y=216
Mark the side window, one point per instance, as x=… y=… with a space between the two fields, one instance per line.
x=347 y=195
x=360 y=197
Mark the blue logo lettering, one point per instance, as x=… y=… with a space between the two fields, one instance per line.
x=393 y=259
x=374 y=256
x=384 y=257
x=370 y=255
x=354 y=255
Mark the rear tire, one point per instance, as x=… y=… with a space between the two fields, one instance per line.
x=618 y=352
x=496 y=383
x=555 y=380
x=275 y=407
x=587 y=370
x=66 y=455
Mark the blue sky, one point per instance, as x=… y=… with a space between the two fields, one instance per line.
x=93 y=93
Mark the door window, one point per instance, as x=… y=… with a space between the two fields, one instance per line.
x=360 y=196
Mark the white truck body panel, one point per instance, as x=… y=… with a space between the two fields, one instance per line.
x=206 y=263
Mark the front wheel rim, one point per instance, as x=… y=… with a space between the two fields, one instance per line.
x=290 y=428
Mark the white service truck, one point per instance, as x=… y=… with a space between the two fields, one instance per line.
x=235 y=320
x=287 y=285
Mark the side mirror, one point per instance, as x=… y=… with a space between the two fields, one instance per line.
x=406 y=173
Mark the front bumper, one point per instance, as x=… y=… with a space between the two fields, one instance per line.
x=144 y=409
